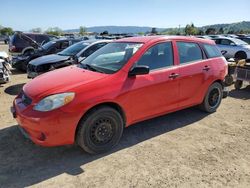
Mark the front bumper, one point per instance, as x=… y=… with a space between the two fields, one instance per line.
x=52 y=128
x=18 y=63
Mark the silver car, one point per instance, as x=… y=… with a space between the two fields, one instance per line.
x=233 y=48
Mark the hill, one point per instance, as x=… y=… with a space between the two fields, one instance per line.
x=244 y=25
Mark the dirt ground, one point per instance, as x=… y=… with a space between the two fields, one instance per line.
x=188 y=148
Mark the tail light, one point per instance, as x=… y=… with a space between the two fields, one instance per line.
x=13 y=48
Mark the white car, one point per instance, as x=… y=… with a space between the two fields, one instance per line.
x=234 y=48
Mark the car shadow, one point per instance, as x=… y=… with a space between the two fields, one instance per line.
x=15 y=72
x=14 y=89
x=243 y=93
x=25 y=164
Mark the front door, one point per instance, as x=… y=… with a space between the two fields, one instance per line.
x=158 y=91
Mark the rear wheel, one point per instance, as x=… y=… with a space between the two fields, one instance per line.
x=240 y=55
x=229 y=80
x=100 y=130
x=213 y=98
x=238 y=84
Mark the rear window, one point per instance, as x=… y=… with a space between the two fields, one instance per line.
x=211 y=51
x=41 y=38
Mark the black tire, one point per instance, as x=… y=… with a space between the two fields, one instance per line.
x=240 y=55
x=212 y=98
x=238 y=84
x=229 y=80
x=100 y=130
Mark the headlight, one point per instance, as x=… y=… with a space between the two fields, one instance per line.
x=54 y=101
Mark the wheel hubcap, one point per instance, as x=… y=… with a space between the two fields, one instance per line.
x=102 y=131
x=214 y=97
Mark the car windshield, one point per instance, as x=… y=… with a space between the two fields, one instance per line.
x=112 y=57
x=73 y=49
x=239 y=42
x=47 y=45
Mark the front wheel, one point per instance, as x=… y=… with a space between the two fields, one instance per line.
x=213 y=98
x=100 y=130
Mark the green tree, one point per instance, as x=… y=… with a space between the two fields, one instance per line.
x=231 y=31
x=191 y=29
x=210 y=31
x=140 y=33
x=36 y=30
x=54 y=31
x=221 y=31
x=6 y=31
x=82 y=30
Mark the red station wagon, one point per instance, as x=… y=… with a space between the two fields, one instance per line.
x=124 y=82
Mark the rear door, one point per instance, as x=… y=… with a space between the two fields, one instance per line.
x=194 y=70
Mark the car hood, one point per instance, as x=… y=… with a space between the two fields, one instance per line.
x=60 y=80
x=47 y=59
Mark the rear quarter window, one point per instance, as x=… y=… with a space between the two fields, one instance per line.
x=211 y=51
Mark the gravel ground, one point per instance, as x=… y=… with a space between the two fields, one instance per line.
x=188 y=148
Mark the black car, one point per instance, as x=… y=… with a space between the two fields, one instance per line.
x=21 y=43
x=20 y=62
x=71 y=55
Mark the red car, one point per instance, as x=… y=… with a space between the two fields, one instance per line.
x=126 y=81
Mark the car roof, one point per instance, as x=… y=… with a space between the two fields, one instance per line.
x=146 y=39
x=92 y=41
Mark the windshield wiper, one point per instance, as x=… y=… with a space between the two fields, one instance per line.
x=92 y=68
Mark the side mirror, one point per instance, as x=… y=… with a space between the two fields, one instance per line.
x=223 y=52
x=80 y=59
x=138 y=70
x=232 y=44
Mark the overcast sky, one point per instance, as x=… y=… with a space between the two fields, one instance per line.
x=70 y=14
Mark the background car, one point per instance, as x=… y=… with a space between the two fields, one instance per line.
x=245 y=39
x=235 y=48
x=21 y=43
x=71 y=55
x=20 y=62
x=4 y=38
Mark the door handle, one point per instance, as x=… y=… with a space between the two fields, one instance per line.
x=173 y=75
x=206 y=68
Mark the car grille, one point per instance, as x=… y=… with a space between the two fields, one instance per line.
x=25 y=99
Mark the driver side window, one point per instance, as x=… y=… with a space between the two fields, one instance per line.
x=158 y=56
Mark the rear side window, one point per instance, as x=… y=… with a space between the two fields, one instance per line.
x=64 y=44
x=189 y=52
x=211 y=51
